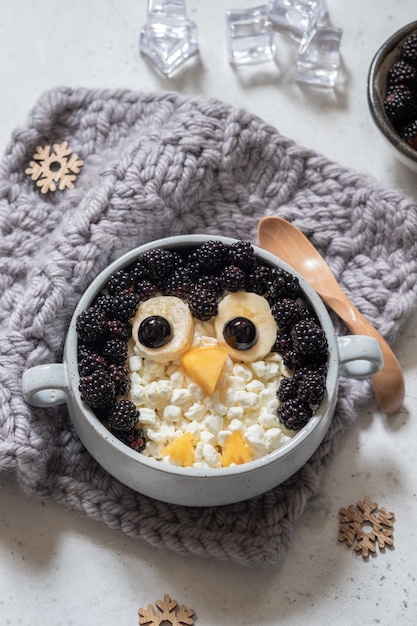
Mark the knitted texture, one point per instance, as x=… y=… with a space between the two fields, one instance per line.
x=159 y=165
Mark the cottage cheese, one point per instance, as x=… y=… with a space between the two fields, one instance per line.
x=171 y=404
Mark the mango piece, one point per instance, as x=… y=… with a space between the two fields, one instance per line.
x=236 y=450
x=204 y=365
x=181 y=450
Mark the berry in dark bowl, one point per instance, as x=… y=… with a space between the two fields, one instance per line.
x=392 y=93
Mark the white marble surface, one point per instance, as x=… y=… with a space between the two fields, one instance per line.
x=59 y=568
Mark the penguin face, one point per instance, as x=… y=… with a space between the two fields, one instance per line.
x=210 y=319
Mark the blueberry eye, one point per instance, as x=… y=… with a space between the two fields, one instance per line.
x=154 y=332
x=240 y=333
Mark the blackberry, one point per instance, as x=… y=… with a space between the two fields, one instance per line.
x=399 y=104
x=121 y=378
x=91 y=324
x=232 y=278
x=210 y=282
x=259 y=279
x=194 y=269
x=123 y=416
x=282 y=284
x=160 y=262
x=210 y=257
x=286 y=312
x=178 y=283
x=242 y=254
x=146 y=289
x=135 y=439
x=117 y=328
x=123 y=305
x=115 y=350
x=294 y=414
x=104 y=303
x=283 y=343
x=120 y=281
x=307 y=314
x=287 y=389
x=293 y=360
x=409 y=134
x=203 y=304
x=297 y=362
x=97 y=389
x=409 y=49
x=139 y=272
x=401 y=73
x=315 y=361
x=84 y=350
x=91 y=362
x=306 y=371
x=311 y=387
x=308 y=338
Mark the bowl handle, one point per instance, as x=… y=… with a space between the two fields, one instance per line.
x=360 y=356
x=46 y=385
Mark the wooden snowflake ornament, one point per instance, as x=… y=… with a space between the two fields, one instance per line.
x=54 y=167
x=366 y=526
x=168 y=613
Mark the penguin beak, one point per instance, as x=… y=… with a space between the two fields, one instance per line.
x=205 y=365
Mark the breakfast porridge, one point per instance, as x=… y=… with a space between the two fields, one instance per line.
x=202 y=358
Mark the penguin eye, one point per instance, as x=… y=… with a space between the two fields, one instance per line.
x=245 y=326
x=154 y=331
x=163 y=328
x=240 y=333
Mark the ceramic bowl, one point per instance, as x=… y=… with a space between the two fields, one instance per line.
x=383 y=60
x=57 y=383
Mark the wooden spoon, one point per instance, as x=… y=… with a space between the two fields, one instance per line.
x=289 y=244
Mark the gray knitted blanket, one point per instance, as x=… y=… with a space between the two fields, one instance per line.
x=159 y=165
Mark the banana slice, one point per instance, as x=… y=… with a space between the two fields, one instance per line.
x=163 y=328
x=250 y=340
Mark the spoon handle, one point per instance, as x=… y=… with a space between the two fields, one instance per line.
x=388 y=383
x=298 y=251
